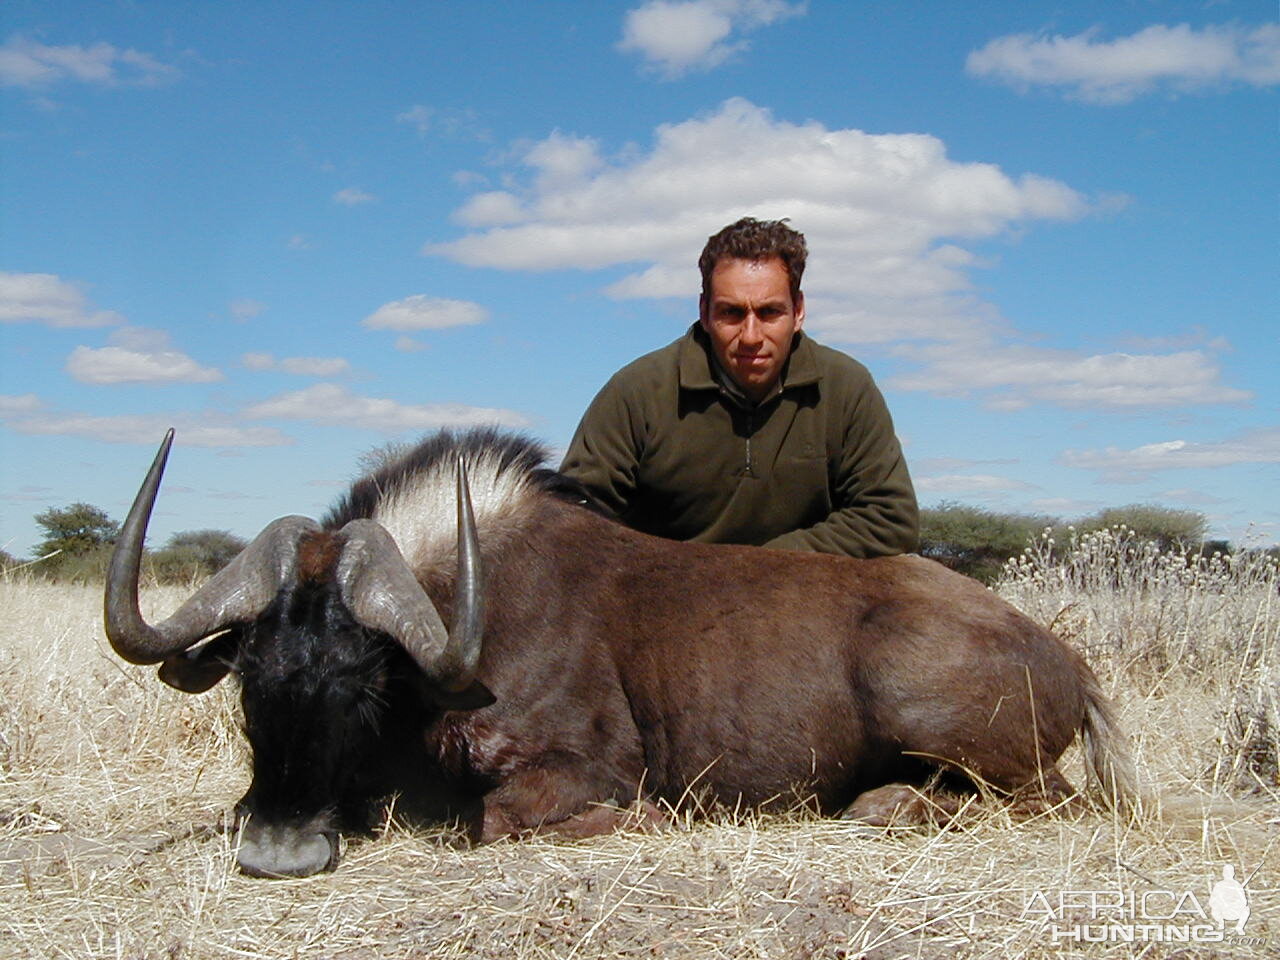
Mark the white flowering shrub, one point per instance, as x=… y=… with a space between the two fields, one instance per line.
x=1168 y=617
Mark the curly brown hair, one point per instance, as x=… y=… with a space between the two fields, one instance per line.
x=752 y=239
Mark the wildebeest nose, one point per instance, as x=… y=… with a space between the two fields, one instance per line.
x=272 y=850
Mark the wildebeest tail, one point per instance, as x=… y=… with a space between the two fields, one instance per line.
x=1106 y=748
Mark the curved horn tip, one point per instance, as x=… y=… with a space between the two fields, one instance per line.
x=130 y=635
x=161 y=458
x=241 y=590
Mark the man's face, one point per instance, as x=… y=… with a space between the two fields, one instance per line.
x=750 y=318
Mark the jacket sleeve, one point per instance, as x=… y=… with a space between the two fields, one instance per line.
x=874 y=504
x=604 y=455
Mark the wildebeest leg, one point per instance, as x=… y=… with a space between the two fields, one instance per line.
x=903 y=805
x=1050 y=790
x=900 y=804
x=556 y=802
x=606 y=818
x=599 y=818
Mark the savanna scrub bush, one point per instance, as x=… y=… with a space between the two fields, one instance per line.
x=1168 y=620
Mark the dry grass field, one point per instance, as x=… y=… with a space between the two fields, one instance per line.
x=115 y=792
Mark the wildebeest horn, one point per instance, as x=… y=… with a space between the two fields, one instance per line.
x=381 y=591
x=237 y=593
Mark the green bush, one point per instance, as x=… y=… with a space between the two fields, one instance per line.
x=79 y=540
x=1167 y=527
x=9 y=564
x=192 y=555
x=84 y=566
x=976 y=541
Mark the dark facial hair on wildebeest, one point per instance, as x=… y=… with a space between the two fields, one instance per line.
x=588 y=665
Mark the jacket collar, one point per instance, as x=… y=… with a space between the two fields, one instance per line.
x=699 y=367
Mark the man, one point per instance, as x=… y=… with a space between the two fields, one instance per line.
x=746 y=431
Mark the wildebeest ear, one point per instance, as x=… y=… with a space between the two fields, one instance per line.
x=476 y=695
x=198 y=669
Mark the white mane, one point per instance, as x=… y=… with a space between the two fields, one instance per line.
x=421 y=512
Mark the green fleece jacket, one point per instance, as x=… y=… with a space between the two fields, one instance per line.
x=815 y=466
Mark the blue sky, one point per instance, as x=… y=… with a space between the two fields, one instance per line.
x=299 y=230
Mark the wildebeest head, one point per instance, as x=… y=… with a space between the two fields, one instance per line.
x=316 y=623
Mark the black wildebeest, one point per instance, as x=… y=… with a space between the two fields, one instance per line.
x=588 y=665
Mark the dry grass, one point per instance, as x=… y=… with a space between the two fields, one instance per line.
x=114 y=791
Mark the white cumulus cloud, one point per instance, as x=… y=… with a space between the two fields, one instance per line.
x=332 y=404
x=22 y=403
x=1177 y=58
x=677 y=36
x=45 y=298
x=258 y=361
x=245 y=309
x=406 y=344
x=314 y=366
x=885 y=215
x=1138 y=463
x=890 y=220
x=418 y=116
x=450 y=124
x=302 y=366
x=1196 y=498
x=421 y=312
x=27 y=63
x=971 y=484
x=1011 y=377
x=137 y=355
x=353 y=197
x=148 y=429
x=493 y=208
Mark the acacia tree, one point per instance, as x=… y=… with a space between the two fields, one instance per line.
x=74 y=530
x=974 y=540
x=77 y=542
